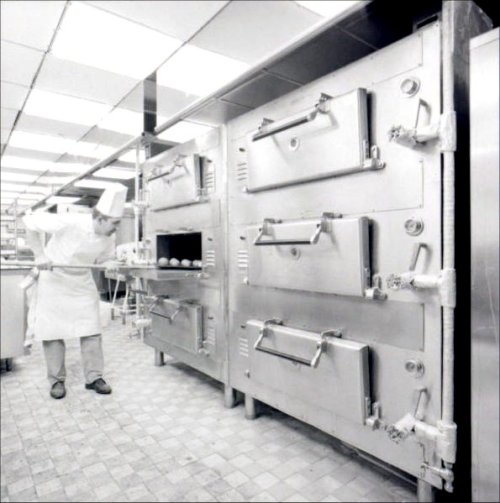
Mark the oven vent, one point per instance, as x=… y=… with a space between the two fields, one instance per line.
x=209 y=178
x=210 y=335
x=244 y=347
x=242 y=172
x=210 y=258
x=243 y=260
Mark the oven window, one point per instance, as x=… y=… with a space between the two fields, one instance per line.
x=186 y=246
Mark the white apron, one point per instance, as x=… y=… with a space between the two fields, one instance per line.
x=65 y=302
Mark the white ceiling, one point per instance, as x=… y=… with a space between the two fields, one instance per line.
x=244 y=30
x=248 y=31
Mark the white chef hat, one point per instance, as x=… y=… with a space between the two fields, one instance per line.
x=112 y=201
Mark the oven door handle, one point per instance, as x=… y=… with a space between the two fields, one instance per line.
x=322 y=226
x=321 y=345
x=179 y=162
x=179 y=306
x=265 y=129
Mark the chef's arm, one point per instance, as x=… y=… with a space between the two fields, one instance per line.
x=35 y=241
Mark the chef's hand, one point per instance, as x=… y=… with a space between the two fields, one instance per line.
x=43 y=263
x=112 y=265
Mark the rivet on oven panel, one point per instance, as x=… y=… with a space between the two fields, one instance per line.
x=247 y=373
x=210 y=239
x=414 y=226
x=410 y=86
x=295 y=253
x=242 y=238
x=245 y=280
x=294 y=143
x=241 y=149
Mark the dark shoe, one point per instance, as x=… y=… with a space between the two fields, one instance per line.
x=99 y=386
x=58 y=390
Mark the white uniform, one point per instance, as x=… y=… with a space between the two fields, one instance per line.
x=65 y=302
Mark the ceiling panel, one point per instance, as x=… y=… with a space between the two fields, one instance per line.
x=177 y=19
x=34 y=154
x=8 y=117
x=19 y=64
x=106 y=137
x=66 y=77
x=250 y=30
x=40 y=125
x=13 y=96
x=260 y=90
x=20 y=22
x=218 y=112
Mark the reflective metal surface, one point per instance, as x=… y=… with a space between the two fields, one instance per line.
x=14 y=310
x=484 y=110
x=269 y=281
x=337 y=263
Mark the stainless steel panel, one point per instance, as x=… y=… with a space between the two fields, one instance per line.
x=180 y=322
x=259 y=90
x=405 y=326
x=338 y=263
x=319 y=57
x=176 y=183
x=484 y=107
x=330 y=144
x=14 y=310
x=339 y=383
x=218 y=112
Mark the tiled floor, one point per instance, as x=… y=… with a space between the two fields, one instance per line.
x=164 y=435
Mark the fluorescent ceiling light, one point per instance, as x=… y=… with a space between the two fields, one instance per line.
x=328 y=8
x=198 y=71
x=68 y=167
x=30 y=197
x=87 y=149
x=40 y=142
x=184 y=131
x=14 y=162
x=6 y=194
x=17 y=177
x=119 y=174
x=54 y=180
x=64 y=108
x=93 y=184
x=15 y=187
x=131 y=156
x=93 y=37
x=33 y=190
x=62 y=199
x=125 y=121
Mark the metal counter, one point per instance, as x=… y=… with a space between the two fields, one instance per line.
x=14 y=310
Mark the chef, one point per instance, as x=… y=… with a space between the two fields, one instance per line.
x=65 y=302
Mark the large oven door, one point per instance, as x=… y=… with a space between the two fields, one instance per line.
x=176 y=184
x=330 y=139
x=178 y=322
x=319 y=369
x=328 y=255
